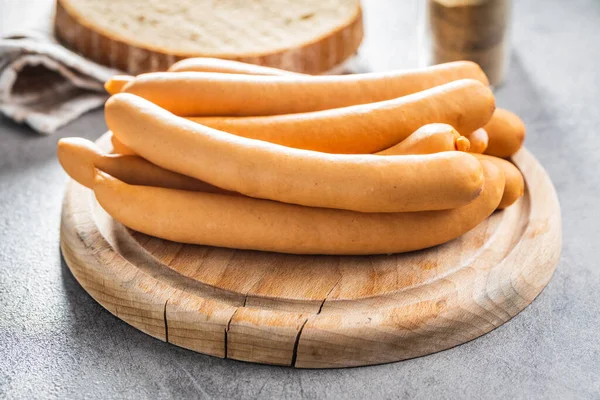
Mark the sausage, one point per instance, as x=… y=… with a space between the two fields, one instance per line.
x=479 y=140
x=213 y=94
x=200 y=64
x=245 y=223
x=462 y=144
x=515 y=184
x=79 y=157
x=115 y=84
x=506 y=132
x=432 y=138
x=205 y=64
x=368 y=128
x=367 y=183
x=119 y=148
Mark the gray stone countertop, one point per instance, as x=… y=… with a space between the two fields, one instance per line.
x=56 y=342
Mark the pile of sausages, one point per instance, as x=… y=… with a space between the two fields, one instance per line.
x=228 y=154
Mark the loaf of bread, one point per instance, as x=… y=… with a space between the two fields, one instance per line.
x=136 y=36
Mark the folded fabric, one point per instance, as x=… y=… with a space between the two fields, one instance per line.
x=46 y=85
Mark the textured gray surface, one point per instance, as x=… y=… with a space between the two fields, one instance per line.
x=56 y=342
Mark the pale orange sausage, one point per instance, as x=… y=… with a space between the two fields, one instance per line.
x=200 y=64
x=506 y=132
x=366 y=183
x=79 y=157
x=119 y=148
x=246 y=223
x=515 y=184
x=368 y=128
x=212 y=94
x=115 y=84
x=478 y=139
x=432 y=138
x=205 y=64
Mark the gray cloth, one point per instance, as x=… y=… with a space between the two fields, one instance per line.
x=45 y=85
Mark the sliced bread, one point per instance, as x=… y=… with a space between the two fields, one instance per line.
x=136 y=36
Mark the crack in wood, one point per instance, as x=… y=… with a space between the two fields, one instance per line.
x=297 y=343
x=225 y=343
x=166 y=324
x=328 y=294
x=227 y=328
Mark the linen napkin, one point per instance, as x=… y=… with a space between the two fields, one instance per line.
x=46 y=85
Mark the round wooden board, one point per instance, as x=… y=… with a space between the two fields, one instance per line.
x=318 y=311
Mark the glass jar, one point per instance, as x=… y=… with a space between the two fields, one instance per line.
x=475 y=30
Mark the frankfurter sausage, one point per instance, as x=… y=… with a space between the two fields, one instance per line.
x=79 y=157
x=506 y=132
x=200 y=64
x=115 y=84
x=478 y=139
x=119 y=148
x=212 y=94
x=368 y=128
x=515 y=184
x=432 y=138
x=246 y=223
x=205 y=64
x=367 y=183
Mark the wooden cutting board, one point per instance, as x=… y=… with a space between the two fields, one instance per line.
x=318 y=311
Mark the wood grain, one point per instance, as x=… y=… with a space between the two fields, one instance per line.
x=318 y=311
